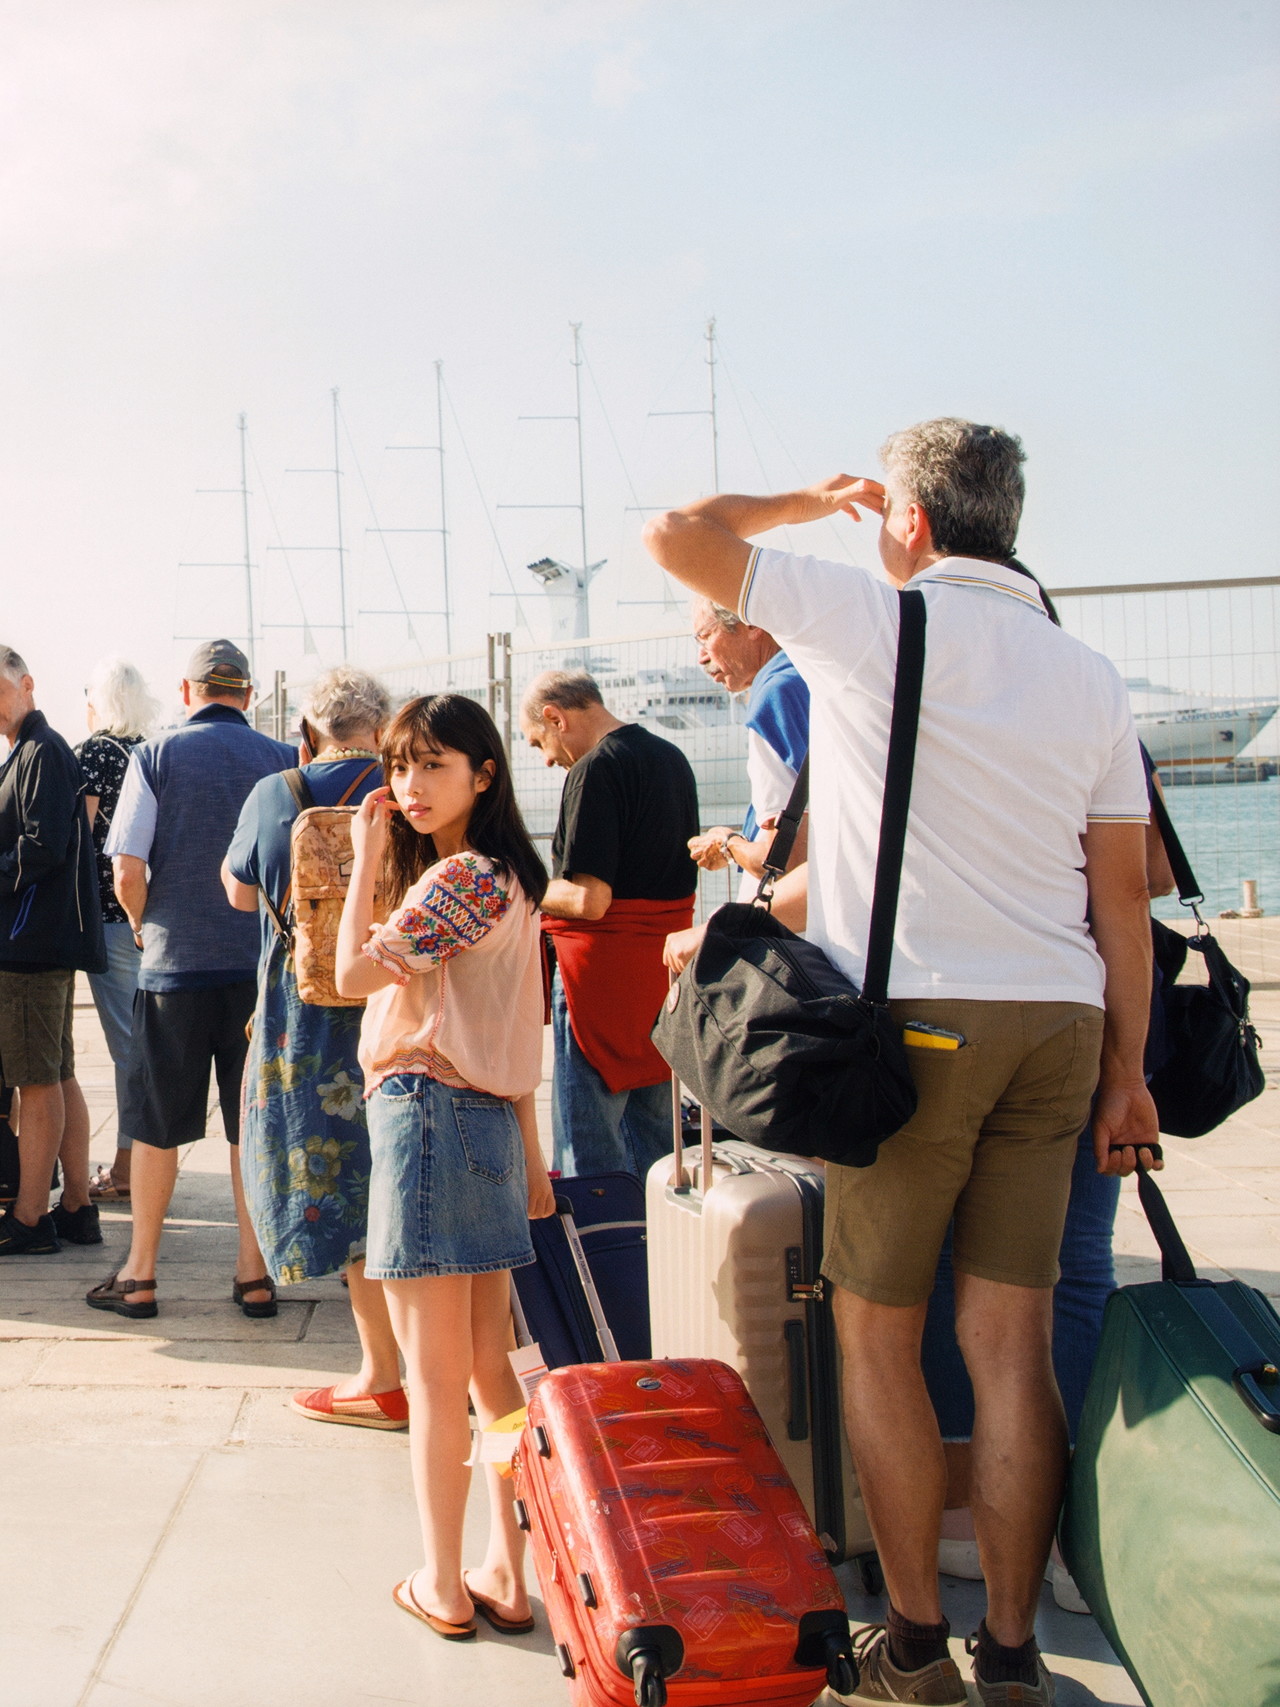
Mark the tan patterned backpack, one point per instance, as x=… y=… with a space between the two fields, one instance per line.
x=307 y=918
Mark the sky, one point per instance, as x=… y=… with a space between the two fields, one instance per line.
x=1059 y=218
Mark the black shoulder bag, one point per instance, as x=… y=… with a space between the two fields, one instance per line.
x=1210 y=1057
x=772 y=1039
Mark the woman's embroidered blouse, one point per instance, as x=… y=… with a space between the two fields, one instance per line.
x=467 y=1004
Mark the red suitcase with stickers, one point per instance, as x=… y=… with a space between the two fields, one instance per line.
x=675 y=1558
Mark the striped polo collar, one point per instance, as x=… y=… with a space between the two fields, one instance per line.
x=977 y=572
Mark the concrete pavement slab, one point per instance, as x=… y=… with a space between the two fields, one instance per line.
x=192 y=1363
x=274 y=1583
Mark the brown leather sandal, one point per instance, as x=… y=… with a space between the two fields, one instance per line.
x=255 y=1312
x=113 y=1294
x=407 y=1601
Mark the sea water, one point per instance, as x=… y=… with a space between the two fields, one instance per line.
x=1230 y=831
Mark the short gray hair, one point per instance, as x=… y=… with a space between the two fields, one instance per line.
x=968 y=480
x=118 y=694
x=571 y=690
x=719 y=615
x=13 y=664
x=344 y=701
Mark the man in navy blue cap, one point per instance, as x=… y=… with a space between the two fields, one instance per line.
x=197 y=984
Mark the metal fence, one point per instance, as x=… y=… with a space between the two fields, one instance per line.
x=1202 y=660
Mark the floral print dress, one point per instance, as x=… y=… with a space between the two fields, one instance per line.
x=304 y=1142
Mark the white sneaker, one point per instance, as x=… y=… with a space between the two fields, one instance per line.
x=1065 y=1592
x=960 y=1559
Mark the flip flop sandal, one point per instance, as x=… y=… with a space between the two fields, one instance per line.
x=498 y=1620
x=255 y=1311
x=402 y=1594
x=113 y=1294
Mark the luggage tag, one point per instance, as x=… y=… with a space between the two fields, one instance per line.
x=527 y=1361
x=497 y=1443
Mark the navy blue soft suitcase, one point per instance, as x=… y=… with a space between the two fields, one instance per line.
x=604 y=1217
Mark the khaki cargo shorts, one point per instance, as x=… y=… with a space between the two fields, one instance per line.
x=992 y=1144
x=36 y=1010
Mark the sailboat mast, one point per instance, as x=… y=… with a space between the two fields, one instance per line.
x=342 y=554
x=444 y=520
x=582 y=479
x=248 y=562
x=715 y=419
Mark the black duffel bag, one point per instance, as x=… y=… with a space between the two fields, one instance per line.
x=772 y=1038
x=1210 y=1064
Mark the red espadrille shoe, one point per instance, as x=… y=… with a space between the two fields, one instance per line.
x=367 y=1410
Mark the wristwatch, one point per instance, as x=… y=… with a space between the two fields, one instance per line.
x=724 y=845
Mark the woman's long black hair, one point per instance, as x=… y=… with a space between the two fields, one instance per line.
x=440 y=722
x=1046 y=601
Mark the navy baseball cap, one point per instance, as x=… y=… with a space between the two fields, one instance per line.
x=219 y=664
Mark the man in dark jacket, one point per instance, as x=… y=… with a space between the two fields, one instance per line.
x=50 y=927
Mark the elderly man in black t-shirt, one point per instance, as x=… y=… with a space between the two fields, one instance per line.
x=622 y=880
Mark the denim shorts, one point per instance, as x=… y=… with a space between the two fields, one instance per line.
x=447 y=1190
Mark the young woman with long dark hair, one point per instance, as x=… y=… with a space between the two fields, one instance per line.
x=451 y=1049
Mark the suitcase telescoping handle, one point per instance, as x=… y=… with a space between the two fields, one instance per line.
x=681 y=1180
x=608 y=1345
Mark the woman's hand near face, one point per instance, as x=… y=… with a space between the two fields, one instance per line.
x=369 y=826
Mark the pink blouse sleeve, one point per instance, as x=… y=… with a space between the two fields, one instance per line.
x=461 y=905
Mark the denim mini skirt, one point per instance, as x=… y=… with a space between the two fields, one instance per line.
x=447 y=1189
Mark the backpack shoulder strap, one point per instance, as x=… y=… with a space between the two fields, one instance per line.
x=347 y=793
x=299 y=788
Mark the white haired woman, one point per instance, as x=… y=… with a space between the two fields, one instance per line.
x=304 y=1143
x=120 y=713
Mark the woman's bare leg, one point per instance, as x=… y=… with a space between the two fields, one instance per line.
x=379 y=1370
x=431 y=1317
x=495 y=1393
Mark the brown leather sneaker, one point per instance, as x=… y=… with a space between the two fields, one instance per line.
x=936 y=1685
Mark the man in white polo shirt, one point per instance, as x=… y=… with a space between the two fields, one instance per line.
x=1022 y=931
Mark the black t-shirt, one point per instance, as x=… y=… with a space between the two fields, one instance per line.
x=628 y=810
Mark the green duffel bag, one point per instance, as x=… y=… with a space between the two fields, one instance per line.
x=1172 y=1522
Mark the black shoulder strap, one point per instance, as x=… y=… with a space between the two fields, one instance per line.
x=300 y=789
x=784 y=838
x=897 y=794
x=1189 y=891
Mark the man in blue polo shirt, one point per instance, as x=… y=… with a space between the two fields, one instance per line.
x=197 y=984
x=746 y=659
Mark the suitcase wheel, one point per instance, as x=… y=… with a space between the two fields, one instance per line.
x=870 y=1574
x=543 y=1444
x=649 y=1655
x=565 y=1658
x=587 y=1589
x=842 y=1672
x=522 y=1514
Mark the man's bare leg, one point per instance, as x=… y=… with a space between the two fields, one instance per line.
x=74 y=1150
x=1019 y=1455
x=893 y=1433
x=41 y=1114
x=154 y=1173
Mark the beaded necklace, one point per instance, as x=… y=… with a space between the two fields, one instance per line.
x=343 y=753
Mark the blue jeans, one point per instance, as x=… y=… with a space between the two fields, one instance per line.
x=596 y=1130
x=1088 y=1279
x=113 y=997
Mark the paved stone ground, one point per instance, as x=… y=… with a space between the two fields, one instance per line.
x=176 y=1537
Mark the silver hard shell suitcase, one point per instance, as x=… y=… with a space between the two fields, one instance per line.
x=735 y=1274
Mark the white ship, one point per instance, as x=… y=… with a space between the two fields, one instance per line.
x=1196 y=741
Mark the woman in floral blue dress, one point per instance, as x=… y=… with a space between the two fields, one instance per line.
x=304 y=1145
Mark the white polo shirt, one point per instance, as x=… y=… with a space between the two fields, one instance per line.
x=1026 y=737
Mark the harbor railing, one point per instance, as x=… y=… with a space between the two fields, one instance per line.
x=1191 y=651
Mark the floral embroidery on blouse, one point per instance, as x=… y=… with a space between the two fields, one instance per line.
x=462 y=903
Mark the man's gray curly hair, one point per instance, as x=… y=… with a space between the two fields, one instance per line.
x=968 y=480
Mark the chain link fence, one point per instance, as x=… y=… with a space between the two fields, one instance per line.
x=1201 y=659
